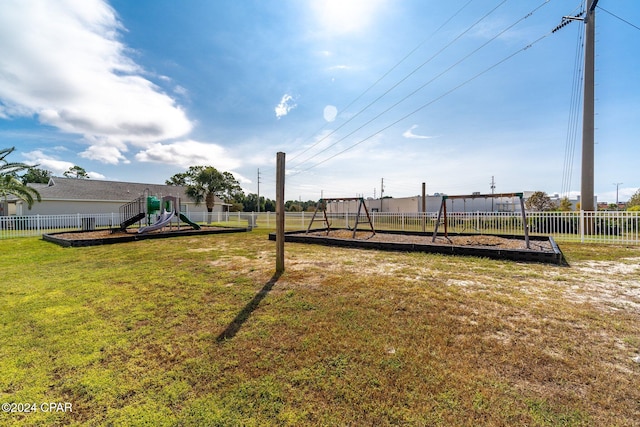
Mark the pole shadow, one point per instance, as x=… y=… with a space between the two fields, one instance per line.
x=245 y=313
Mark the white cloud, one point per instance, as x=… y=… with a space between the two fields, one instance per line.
x=410 y=135
x=105 y=153
x=62 y=61
x=189 y=153
x=57 y=167
x=287 y=103
x=96 y=175
x=180 y=90
x=624 y=194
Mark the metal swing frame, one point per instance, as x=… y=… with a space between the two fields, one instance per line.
x=322 y=205
x=443 y=212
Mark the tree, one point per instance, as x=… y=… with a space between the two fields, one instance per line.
x=250 y=203
x=204 y=183
x=185 y=178
x=76 y=172
x=292 y=206
x=9 y=182
x=539 y=201
x=634 y=200
x=565 y=205
x=36 y=176
x=269 y=205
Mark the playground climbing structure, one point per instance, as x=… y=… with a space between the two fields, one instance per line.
x=168 y=209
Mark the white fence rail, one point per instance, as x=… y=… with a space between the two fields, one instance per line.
x=597 y=227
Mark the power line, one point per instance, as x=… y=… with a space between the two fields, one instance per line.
x=409 y=75
x=426 y=84
x=574 y=115
x=616 y=16
x=431 y=102
x=382 y=78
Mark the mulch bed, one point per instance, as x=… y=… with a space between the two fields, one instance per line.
x=541 y=248
x=456 y=240
x=106 y=236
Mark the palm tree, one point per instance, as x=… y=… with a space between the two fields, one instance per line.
x=9 y=182
x=209 y=183
x=10 y=185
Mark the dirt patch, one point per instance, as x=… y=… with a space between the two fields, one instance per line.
x=611 y=285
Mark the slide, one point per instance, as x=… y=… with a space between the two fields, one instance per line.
x=164 y=219
x=188 y=221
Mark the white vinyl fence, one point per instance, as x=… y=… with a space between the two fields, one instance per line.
x=596 y=227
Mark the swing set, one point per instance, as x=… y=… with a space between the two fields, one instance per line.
x=322 y=206
x=444 y=220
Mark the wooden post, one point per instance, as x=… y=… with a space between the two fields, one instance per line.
x=280 y=162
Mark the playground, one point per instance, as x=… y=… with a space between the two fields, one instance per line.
x=358 y=231
x=156 y=218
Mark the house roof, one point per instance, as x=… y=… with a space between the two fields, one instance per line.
x=60 y=188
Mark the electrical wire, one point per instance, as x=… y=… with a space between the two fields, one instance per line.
x=574 y=116
x=616 y=16
x=429 y=103
x=420 y=88
x=458 y=37
x=374 y=84
x=385 y=75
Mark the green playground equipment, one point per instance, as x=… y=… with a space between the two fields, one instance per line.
x=167 y=207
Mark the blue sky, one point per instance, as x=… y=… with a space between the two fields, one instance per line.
x=354 y=91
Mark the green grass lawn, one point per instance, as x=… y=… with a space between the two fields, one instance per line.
x=197 y=331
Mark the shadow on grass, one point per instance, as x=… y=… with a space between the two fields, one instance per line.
x=243 y=316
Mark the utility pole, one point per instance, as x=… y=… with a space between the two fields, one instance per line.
x=587 y=197
x=381 y=193
x=617 y=184
x=493 y=188
x=258 y=190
